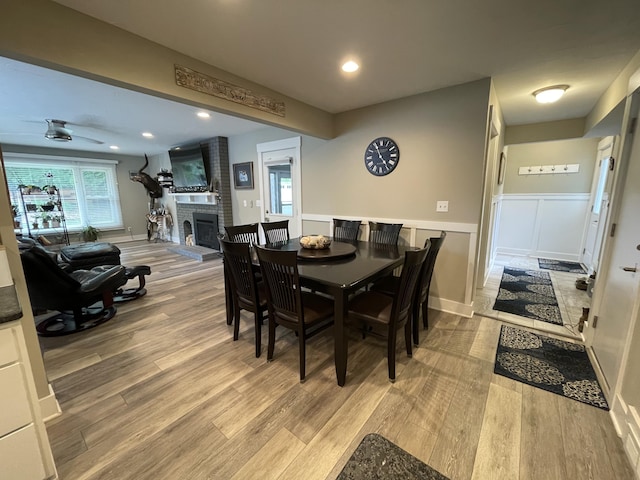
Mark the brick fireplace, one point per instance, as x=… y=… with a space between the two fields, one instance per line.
x=188 y=207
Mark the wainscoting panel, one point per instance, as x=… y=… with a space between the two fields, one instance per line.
x=452 y=284
x=550 y=225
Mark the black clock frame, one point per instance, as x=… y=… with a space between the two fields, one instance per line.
x=381 y=156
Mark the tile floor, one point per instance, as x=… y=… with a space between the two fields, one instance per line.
x=570 y=299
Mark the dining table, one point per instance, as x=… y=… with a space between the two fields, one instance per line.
x=339 y=271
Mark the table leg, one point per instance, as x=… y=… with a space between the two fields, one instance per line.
x=340 y=336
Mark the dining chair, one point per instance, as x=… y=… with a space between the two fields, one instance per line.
x=275 y=232
x=391 y=313
x=247 y=293
x=384 y=233
x=389 y=286
x=346 y=230
x=304 y=312
x=243 y=233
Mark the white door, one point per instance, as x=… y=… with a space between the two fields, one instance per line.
x=620 y=289
x=280 y=195
x=599 y=205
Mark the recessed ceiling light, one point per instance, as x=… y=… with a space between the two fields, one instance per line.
x=114 y=147
x=147 y=134
x=350 y=66
x=550 y=94
x=203 y=115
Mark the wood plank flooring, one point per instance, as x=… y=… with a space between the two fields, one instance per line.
x=163 y=392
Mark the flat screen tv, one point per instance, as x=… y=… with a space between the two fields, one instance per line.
x=188 y=168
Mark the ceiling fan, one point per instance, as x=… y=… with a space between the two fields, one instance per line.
x=57 y=131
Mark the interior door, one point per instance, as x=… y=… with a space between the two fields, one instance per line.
x=621 y=278
x=599 y=205
x=280 y=186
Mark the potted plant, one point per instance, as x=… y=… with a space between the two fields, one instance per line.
x=50 y=189
x=16 y=213
x=89 y=234
x=49 y=206
x=35 y=224
x=55 y=221
x=46 y=218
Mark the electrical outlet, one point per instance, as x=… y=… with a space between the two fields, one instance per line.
x=128 y=229
x=442 y=206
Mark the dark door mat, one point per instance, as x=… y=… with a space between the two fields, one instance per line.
x=554 y=365
x=378 y=458
x=561 y=265
x=528 y=293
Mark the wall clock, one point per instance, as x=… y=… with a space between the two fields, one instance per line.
x=381 y=156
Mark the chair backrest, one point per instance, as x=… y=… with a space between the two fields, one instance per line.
x=384 y=233
x=275 y=232
x=429 y=264
x=243 y=233
x=412 y=267
x=238 y=264
x=282 y=283
x=346 y=230
x=48 y=284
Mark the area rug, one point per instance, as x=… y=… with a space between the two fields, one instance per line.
x=528 y=293
x=561 y=266
x=548 y=363
x=378 y=458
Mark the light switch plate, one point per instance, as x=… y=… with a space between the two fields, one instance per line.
x=442 y=206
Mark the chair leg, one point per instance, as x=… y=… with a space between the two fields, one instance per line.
x=272 y=339
x=258 y=328
x=236 y=321
x=415 y=323
x=407 y=337
x=425 y=315
x=302 y=341
x=391 y=355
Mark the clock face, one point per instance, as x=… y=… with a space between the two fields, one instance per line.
x=381 y=156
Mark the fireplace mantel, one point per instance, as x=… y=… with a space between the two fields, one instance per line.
x=205 y=198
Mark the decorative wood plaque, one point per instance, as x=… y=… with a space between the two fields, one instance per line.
x=185 y=77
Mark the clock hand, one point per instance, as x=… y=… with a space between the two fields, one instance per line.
x=379 y=155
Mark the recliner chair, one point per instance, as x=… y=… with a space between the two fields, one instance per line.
x=52 y=288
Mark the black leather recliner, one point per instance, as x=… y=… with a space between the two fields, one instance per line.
x=52 y=288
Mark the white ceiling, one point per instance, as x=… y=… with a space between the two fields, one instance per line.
x=295 y=47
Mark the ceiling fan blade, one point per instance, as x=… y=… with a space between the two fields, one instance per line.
x=87 y=139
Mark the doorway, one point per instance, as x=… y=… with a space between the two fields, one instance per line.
x=599 y=204
x=280 y=194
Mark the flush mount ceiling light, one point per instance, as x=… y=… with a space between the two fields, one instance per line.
x=114 y=147
x=550 y=94
x=350 y=66
x=203 y=115
x=147 y=135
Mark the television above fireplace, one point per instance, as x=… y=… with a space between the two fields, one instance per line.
x=189 y=169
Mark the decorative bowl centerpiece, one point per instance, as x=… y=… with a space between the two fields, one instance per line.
x=315 y=242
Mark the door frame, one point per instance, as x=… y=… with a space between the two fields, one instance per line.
x=604 y=144
x=296 y=176
x=619 y=179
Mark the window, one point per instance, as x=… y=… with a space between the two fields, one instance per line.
x=88 y=188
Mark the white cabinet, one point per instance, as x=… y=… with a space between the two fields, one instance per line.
x=25 y=453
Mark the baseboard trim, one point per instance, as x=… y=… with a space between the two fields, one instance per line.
x=450 y=306
x=49 y=406
x=627 y=424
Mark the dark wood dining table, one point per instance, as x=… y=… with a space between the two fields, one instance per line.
x=341 y=277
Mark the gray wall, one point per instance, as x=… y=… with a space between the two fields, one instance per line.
x=582 y=151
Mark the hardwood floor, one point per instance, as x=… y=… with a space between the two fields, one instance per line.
x=162 y=392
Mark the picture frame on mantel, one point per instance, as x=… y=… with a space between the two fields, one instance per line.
x=501 y=168
x=243 y=175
